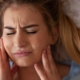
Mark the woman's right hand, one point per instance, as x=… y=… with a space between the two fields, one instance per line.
x=5 y=72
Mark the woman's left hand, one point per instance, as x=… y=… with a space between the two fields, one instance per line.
x=50 y=69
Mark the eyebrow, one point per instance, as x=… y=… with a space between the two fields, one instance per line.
x=32 y=25
x=28 y=26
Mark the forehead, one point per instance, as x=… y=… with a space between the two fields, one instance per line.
x=22 y=14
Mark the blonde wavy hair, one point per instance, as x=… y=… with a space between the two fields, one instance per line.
x=54 y=16
x=70 y=35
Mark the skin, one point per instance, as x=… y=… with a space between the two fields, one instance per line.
x=5 y=72
x=21 y=38
x=35 y=38
x=25 y=73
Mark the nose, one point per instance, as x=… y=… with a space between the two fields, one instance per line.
x=20 y=40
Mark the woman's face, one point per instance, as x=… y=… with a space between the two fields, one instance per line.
x=25 y=35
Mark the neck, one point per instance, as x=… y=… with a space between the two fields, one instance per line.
x=28 y=73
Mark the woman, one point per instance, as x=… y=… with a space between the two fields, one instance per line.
x=29 y=28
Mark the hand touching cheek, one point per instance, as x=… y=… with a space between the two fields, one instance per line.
x=50 y=71
x=5 y=72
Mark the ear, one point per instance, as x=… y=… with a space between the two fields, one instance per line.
x=55 y=36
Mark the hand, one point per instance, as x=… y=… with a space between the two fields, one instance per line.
x=5 y=72
x=50 y=69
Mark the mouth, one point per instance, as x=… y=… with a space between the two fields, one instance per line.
x=22 y=53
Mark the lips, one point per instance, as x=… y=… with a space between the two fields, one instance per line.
x=22 y=53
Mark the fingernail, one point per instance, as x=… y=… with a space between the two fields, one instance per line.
x=35 y=65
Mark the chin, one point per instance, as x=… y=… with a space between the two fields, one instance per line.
x=26 y=63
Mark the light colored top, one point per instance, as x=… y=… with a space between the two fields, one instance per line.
x=74 y=70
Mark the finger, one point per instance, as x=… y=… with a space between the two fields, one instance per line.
x=46 y=63
x=52 y=65
x=51 y=61
x=0 y=61
x=40 y=72
x=4 y=56
x=14 y=70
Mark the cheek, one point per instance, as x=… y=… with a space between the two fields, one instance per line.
x=41 y=42
x=7 y=45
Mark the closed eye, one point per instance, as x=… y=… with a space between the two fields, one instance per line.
x=27 y=32
x=10 y=33
x=32 y=32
